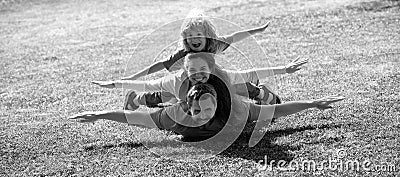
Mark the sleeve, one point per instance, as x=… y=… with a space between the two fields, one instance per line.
x=162 y=120
x=222 y=43
x=171 y=117
x=242 y=77
x=177 y=56
x=165 y=84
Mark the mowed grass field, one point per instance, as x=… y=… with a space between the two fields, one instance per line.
x=51 y=50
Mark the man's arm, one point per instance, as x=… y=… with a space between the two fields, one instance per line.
x=292 y=107
x=240 y=35
x=122 y=116
x=269 y=112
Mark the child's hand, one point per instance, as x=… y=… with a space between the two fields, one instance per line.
x=105 y=84
x=262 y=28
x=295 y=65
x=323 y=103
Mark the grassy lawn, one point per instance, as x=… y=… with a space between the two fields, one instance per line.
x=51 y=50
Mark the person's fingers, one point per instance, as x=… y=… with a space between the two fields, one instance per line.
x=333 y=100
x=74 y=117
x=304 y=60
x=96 y=82
x=266 y=25
x=296 y=60
x=323 y=107
x=77 y=116
x=325 y=102
x=301 y=62
x=336 y=98
x=86 y=120
x=83 y=115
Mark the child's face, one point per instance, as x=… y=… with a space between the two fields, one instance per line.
x=198 y=70
x=203 y=110
x=196 y=40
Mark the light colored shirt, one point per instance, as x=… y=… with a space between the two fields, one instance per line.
x=178 y=83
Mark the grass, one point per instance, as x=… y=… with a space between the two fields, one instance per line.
x=51 y=50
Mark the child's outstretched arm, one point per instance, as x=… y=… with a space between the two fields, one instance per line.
x=155 y=67
x=240 y=35
x=167 y=63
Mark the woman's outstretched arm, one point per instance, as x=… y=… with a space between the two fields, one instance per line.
x=289 y=68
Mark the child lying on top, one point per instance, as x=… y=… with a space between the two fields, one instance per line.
x=198 y=35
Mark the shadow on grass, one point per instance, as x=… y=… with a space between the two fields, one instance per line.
x=109 y=146
x=266 y=149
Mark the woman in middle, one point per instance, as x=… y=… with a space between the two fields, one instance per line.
x=197 y=69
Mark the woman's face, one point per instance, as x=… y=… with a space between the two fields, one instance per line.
x=198 y=70
x=203 y=110
x=196 y=40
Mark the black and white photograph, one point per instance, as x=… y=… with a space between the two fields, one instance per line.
x=199 y=88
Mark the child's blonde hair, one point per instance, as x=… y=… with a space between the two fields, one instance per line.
x=197 y=20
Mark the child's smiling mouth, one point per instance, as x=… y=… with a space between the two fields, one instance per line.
x=196 y=45
x=199 y=79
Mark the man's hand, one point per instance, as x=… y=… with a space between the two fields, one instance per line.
x=295 y=65
x=105 y=84
x=324 y=103
x=87 y=117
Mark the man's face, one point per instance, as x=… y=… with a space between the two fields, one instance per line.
x=203 y=110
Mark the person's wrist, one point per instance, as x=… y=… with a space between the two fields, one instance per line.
x=313 y=104
x=285 y=69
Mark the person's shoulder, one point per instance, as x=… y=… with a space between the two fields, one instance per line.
x=225 y=39
x=175 y=77
x=178 y=54
x=230 y=73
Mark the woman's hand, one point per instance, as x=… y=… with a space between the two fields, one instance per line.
x=105 y=84
x=86 y=117
x=295 y=65
x=324 y=103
